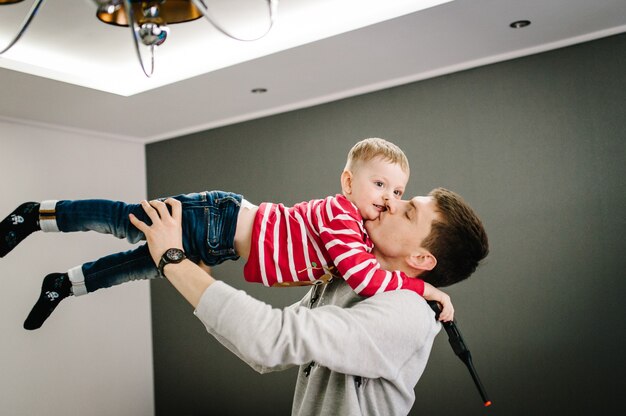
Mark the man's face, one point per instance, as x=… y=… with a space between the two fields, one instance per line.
x=400 y=231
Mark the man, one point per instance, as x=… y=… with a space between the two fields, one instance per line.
x=356 y=355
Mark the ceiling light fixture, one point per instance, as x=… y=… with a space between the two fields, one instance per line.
x=148 y=20
x=520 y=24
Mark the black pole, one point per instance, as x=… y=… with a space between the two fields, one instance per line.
x=460 y=349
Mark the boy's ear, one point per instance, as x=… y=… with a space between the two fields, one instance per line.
x=346 y=182
x=423 y=261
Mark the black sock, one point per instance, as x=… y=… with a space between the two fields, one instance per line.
x=18 y=225
x=55 y=288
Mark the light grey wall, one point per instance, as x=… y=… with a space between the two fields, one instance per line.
x=93 y=356
x=536 y=145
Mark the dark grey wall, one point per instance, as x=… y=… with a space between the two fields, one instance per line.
x=536 y=145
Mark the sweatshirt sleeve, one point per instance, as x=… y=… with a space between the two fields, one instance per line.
x=342 y=233
x=374 y=338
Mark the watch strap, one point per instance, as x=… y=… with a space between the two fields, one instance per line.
x=167 y=258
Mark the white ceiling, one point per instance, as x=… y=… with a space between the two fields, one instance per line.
x=54 y=76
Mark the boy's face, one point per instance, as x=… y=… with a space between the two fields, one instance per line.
x=372 y=184
x=400 y=231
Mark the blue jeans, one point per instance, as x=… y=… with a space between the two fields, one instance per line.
x=209 y=221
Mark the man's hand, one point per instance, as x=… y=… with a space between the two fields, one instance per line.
x=166 y=230
x=447 y=310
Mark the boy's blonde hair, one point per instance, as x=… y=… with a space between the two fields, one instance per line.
x=374 y=147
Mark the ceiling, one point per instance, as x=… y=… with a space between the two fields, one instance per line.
x=85 y=77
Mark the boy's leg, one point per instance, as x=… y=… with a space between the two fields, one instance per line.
x=18 y=225
x=216 y=210
x=55 y=288
x=108 y=271
x=112 y=270
x=100 y=215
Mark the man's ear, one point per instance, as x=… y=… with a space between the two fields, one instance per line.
x=423 y=261
x=346 y=182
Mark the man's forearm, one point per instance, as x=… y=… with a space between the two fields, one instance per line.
x=164 y=233
x=189 y=279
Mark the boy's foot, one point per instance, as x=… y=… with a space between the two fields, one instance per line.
x=55 y=288
x=18 y=225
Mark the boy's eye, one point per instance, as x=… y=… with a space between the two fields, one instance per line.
x=398 y=193
x=378 y=183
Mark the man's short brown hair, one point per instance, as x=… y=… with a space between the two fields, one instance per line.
x=458 y=241
x=374 y=147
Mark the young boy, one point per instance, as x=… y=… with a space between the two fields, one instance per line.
x=305 y=244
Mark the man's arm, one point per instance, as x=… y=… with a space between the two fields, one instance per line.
x=354 y=340
x=165 y=233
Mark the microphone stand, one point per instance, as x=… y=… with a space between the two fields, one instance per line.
x=461 y=350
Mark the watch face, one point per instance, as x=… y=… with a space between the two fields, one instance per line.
x=174 y=254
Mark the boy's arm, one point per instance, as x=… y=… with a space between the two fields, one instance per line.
x=362 y=272
x=447 y=309
x=342 y=235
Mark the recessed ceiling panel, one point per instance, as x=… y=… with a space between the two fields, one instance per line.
x=66 y=42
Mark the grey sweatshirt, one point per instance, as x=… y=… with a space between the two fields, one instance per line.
x=357 y=356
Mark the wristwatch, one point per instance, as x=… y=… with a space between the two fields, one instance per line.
x=171 y=255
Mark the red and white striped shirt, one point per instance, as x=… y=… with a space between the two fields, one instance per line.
x=300 y=243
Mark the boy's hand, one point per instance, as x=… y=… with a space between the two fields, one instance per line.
x=447 y=310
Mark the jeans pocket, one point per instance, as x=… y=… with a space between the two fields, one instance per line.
x=221 y=219
x=215 y=229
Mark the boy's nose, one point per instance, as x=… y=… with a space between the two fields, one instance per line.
x=391 y=205
x=390 y=194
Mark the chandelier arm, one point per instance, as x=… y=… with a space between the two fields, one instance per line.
x=272 y=5
x=25 y=23
x=134 y=29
